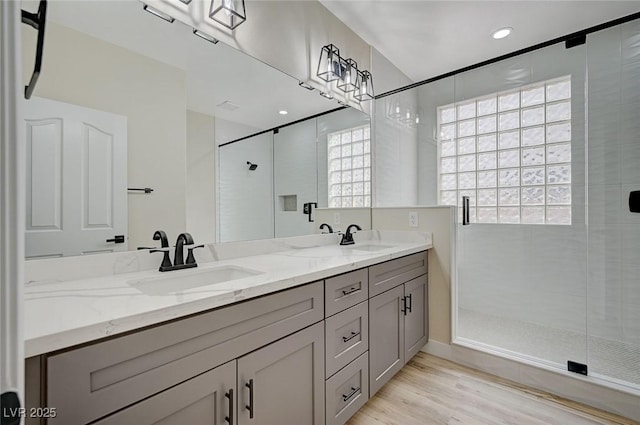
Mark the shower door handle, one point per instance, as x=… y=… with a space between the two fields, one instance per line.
x=465 y=210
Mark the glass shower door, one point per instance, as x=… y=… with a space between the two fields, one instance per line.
x=614 y=230
x=513 y=144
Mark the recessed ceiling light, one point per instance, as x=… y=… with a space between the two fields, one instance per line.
x=501 y=33
x=283 y=112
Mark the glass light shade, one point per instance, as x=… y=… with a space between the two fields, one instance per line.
x=329 y=67
x=349 y=78
x=365 y=84
x=395 y=109
x=229 y=13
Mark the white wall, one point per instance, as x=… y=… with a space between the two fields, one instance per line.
x=201 y=181
x=226 y=131
x=246 y=197
x=86 y=71
x=340 y=218
x=395 y=151
x=387 y=76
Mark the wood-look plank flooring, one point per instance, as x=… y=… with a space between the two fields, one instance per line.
x=433 y=391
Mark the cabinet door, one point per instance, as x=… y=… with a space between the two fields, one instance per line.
x=283 y=383
x=416 y=319
x=204 y=400
x=386 y=337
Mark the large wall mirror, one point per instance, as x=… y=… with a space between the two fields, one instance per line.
x=272 y=183
x=128 y=101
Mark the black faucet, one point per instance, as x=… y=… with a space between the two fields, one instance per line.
x=178 y=258
x=183 y=239
x=347 y=237
x=161 y=236
x=325 y=225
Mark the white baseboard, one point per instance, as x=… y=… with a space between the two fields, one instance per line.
x=587 y=390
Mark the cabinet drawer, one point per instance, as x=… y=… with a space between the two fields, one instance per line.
x=346 y=336
x=346 y=290
x=347 y=391
x=93 y=381
x=385 y=276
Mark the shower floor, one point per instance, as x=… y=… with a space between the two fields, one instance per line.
x=610 y=360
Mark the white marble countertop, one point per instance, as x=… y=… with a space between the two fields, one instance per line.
x=60 y=313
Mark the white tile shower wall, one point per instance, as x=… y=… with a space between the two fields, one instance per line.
x=395 y=151
x=246 y=197
x=295 y=165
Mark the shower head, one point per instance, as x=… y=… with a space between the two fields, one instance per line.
x=252 y=166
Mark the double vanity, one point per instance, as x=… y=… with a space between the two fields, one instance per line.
x=283 y=331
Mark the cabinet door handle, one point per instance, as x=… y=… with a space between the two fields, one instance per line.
x=350 y=291
x=229 y=395
x=410 y=302
x=350 y=337
x=249 y=407
x=353 y=392
x=404 y=305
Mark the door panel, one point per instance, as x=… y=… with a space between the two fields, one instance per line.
x=386 y=337
x=416 y=322
x=288 y=381
x=83 y=151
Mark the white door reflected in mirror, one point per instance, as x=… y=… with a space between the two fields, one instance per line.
x=76 y=180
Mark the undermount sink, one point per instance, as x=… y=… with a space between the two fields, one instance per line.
x=371 y=247
x=176 y=282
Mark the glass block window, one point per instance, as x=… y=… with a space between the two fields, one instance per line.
x=510 y=153
x=349 y=168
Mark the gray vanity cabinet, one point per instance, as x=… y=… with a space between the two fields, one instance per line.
x=386 y=337
x=398 y=317
x=283 y=383
x=416 y=319
x=208 y=399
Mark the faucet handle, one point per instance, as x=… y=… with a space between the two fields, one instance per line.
x=190 y=258
x=166 y=261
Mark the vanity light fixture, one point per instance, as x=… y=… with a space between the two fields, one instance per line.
x=329 y=67
x=186 y=1
x=305 y=85
x=332 y=67
x=326 y=95
x=349 y=80
x=158 y=13
x=229 y=13
x=501 y=33
x=205 y=36
x=365 y=86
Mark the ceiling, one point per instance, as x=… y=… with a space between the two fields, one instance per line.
x=429 y=38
